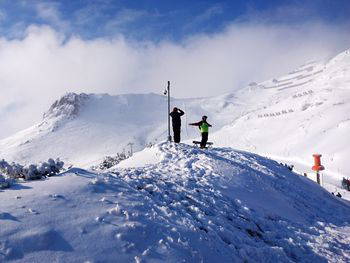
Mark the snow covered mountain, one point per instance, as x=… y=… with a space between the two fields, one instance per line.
x=288 y=118
x=81 y=128
x=176 y=203
x=296 y=115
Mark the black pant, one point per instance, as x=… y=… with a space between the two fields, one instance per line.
x=204 y=139
x=177 y=132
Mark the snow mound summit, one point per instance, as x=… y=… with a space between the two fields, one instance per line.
x=223 y=205
x=190 y=205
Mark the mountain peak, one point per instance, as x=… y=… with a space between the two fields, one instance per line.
x=68 y=106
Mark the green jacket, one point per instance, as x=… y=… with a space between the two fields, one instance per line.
x=202 y=125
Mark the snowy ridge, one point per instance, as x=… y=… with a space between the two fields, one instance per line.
x=67 y=106
x=298 y=77
x=190 y=205
x=309 y=115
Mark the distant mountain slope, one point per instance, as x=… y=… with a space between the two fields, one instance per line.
x=186 y=205
x=304 y=112
x=83 y=128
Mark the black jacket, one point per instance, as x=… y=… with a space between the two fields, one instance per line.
x=175 y=116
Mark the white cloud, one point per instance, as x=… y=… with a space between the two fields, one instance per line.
x=88 y=14
x=43 y=65
x=209 y=13
x=49 y=12
x=123 y=18
x=202 y=19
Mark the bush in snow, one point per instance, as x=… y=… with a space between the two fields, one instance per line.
x=289 y=167
x=110 y=161
x=33 y=171
x=11 y=170
x=49 y=168
x=4 y=182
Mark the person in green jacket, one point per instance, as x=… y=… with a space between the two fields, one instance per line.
x=203 y=126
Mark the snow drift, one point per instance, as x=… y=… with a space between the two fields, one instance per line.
x=182 y=205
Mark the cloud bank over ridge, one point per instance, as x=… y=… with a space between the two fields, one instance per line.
x=44 y=64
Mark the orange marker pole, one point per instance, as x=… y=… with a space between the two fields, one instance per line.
x=317 y=166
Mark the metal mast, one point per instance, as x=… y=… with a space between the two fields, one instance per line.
x=131 y=151
x=168 y=92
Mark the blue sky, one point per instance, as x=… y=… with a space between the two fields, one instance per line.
x=161 y=19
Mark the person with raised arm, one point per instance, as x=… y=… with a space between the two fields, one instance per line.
x=203 y=126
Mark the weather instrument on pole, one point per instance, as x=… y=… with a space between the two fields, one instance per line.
x=167 y=92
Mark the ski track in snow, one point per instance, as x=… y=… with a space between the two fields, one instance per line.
x=216 y=205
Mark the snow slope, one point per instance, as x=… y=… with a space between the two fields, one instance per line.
x=191 y=205
x=297 y=115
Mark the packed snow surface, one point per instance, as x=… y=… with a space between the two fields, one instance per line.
x=182 y=205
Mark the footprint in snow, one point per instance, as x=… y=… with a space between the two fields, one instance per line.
x=56 y=196
x=99 y=219
x=105 y=200
x=32 y=211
